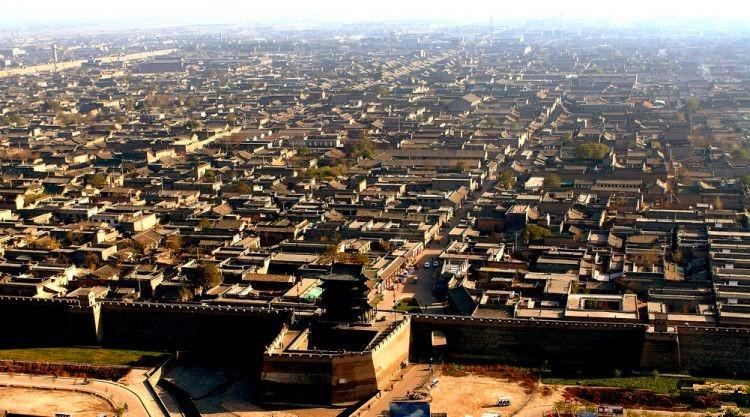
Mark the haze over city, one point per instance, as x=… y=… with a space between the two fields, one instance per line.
x=443 y=11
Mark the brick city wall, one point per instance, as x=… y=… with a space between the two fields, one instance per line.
x=190 y=327
x=33 y=321
x=332 y=377
x=712 y=350
x=30 y=321
x=555 y=344
x=297 y=378
x=578 y=345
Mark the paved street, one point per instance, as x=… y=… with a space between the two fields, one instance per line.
x=413 y=377
x=422 y=289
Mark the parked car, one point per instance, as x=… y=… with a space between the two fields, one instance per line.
x=427 y=264
x=436 y=264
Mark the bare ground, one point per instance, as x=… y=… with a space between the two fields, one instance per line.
x=47 y=402
x=474 y=394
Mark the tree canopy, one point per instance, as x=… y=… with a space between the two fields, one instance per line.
x=208 y=276
x=97 y=180
x=363 y=148
x=552 y=180
x=535 y=233
x=507 y=179
x=592 y=151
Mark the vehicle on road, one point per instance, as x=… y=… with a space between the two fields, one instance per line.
x=427 y=264
x=503 y=402
x=415 y=280
x=436 y=264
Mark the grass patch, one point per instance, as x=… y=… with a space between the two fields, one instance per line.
x=88 y=356
x=657 y=384
x=408 y=305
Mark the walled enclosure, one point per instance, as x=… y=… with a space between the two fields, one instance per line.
x=333 y=378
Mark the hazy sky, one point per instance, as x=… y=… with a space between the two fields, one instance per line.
x=238 y=11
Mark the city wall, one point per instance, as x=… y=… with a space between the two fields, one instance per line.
x=594 y=346
x=212 y=329
x=66 y=65
x=333 y=377
x=554 y=344
x=711 y=350
x=152 y=326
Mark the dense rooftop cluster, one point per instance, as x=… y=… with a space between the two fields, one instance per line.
x=583 y=176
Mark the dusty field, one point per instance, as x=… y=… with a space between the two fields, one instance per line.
x=47 y=402
x=473 y=395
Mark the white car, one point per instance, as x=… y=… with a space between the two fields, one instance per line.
x=427 y=264
x=436 y=264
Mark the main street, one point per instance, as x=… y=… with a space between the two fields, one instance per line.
x=422 y=289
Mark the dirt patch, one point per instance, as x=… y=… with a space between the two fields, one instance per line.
x=47 y=402
x=461 y=392
x=526 y=378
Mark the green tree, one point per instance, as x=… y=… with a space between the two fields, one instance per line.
x=691 y=105
x=66 y=119
x=733 y=412
x=595 y=151
x=507 y=179
x=173 y=243
x=193 y=125
x=208 y=276
x=129 y=104
x=304 y=151
x=594 y=70
x=191 y=102
x=361 y=258
x=535 y=233
x=362 y=148
x=185 y=294
x=204 y=223
x=239 y=188
x=460 y=166
x=13 y=119
x=383 y=91
x=97 y=180
x=552 y=181
x=328 y=172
